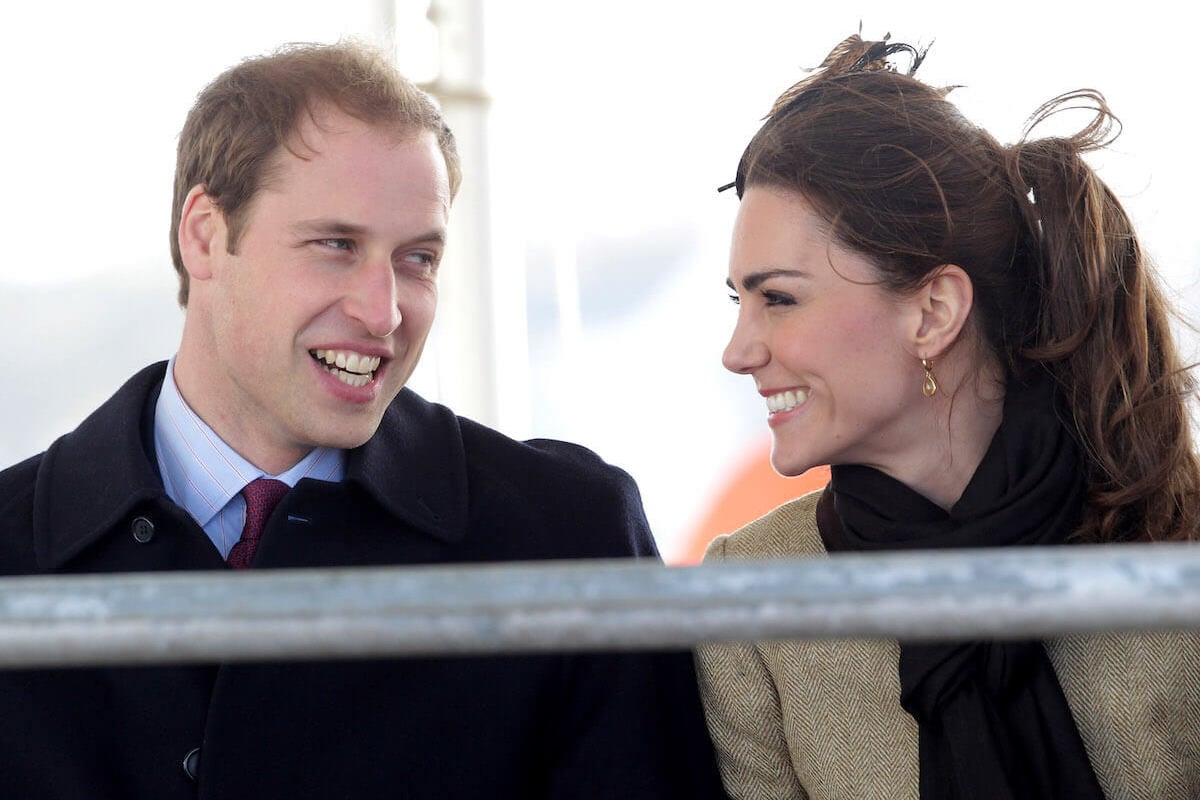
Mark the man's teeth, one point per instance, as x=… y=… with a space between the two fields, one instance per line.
x=351 y=378
x=347 y=366
x=786 y=401
x=348 y=360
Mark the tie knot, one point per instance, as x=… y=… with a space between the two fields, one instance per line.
x=262 y=496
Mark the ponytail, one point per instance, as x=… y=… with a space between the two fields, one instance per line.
x=1101 y=328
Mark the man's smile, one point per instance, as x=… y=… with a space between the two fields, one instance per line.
x=354 y=369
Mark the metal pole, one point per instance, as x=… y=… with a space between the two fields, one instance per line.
x=464 y=336
x=341 y=613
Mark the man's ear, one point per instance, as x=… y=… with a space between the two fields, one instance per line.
x=201 y=232
x=945 y=303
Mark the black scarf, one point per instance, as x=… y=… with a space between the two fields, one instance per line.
x=992 y=717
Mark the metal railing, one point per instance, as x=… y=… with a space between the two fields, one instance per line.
x=589 y=605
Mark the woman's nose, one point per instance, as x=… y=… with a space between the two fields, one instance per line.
x=746 y=350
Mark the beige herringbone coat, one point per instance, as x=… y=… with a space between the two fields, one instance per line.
x=822 y=720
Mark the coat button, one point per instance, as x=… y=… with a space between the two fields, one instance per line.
x=191 y=763
x=143 y=530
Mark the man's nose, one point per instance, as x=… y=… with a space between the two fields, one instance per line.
x=372 y=298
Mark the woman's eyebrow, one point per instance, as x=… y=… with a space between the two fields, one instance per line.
x=756 y=279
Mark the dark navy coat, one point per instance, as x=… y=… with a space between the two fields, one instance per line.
x=428 y=488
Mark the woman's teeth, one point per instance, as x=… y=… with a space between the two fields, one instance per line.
x=786 y=401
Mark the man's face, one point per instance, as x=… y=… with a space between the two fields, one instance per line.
x=305 y=335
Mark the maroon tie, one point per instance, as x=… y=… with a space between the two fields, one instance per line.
x=262 y=495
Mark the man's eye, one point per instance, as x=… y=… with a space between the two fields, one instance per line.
x=421 y=258
x=337 y=244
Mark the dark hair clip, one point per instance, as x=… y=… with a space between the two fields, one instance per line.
x=739 y=179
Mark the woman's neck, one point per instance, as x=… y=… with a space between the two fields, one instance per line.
x=959 y=428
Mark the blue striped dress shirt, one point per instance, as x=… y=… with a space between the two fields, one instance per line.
x=204 y=475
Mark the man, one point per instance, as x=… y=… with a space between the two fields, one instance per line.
x=311 y=200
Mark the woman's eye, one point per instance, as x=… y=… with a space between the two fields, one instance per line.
x=778 y=299
x=733 y=298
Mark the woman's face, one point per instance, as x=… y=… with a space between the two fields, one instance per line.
x=829 y=349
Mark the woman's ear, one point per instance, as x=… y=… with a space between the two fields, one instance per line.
x=200 y=225
x=945 y=303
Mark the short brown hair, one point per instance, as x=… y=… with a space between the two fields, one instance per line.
x=242 y=119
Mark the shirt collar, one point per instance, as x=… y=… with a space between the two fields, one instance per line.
x=202 y=473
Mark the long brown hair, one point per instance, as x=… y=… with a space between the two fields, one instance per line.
x=1061 y=282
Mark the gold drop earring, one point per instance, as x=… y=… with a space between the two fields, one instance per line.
x=929 y=387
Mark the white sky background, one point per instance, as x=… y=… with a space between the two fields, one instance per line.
x=611 y=125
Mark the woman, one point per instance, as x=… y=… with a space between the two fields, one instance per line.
x=970 y=334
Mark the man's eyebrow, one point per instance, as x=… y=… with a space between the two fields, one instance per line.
x=336 y=227
x=327 y=227
x=437 y=236
x=756 y=279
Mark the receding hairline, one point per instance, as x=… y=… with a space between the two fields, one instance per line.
x=322 y=113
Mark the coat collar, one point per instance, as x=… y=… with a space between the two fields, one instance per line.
x=92 y=478
x=415 y=466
